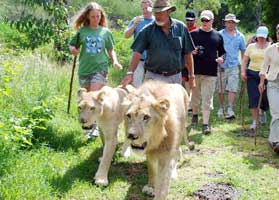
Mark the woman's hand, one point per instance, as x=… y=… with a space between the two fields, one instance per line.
x=243 y=76
x=74 y=50
x=261 y=87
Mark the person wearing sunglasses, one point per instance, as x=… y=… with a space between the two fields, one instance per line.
x=190 y=22
x=209 y=52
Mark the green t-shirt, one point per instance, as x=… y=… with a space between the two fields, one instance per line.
x=95 y=44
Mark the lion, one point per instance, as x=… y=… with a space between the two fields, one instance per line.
x=103 y=107
x=155 y=123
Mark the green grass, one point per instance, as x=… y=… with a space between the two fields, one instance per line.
x=61 y=163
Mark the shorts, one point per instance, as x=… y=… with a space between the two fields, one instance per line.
x=253 y=81
x=230 y=80
x=98 y=77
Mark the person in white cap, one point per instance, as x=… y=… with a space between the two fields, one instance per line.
x=255 y=53
x=270 y=71
x=233 y=42
x=134 y=27
x=208 y=54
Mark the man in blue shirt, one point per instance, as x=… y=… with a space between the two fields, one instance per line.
x=134 y=27
x=233 y=42
x=166 y=41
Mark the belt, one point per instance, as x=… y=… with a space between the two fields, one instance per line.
x=141 y=59
x=164 y=73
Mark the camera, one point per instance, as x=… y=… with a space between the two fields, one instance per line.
x=200 y=50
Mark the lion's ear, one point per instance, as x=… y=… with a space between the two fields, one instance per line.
x=126 y=103
x=100 y=97
x=80 y=93
x=162 y=105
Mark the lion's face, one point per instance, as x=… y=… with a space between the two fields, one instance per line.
x=144 y=116
x=89 y=107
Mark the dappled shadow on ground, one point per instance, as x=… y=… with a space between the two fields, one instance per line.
x=135 y=173
x=63 y=142
x=83 y=171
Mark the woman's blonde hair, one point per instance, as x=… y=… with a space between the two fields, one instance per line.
x=81 y=18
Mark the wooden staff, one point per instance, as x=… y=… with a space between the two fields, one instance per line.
x=241 y=97
x=72 y=75
x=257 y=122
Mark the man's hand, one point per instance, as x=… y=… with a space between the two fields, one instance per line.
x=138 y=20
x=192 y=82
x=117 y=65
x=127 y=80
x=220 y=60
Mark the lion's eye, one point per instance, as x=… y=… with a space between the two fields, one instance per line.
x=146 y=117
x=128 y=116
x=92 y=108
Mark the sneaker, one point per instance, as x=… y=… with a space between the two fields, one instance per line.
x=262 y=118
x=230 y=113
x=190 y=110
x=220 y=112
x=94 y=132
x=253 y=125
x=195 y=120
x=206 y=129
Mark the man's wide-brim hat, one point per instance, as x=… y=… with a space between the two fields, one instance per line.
x=163 y=5
x=231 y=17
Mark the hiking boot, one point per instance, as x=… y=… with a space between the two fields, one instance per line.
x=94 y=132
x=230 y=113
x=220 y=112
x=195 y=120
x=262 y=118
x=253 y=125
x=206 y=129
x=190 y=110
x=276 y=148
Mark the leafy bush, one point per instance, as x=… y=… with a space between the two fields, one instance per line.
x=11 y=37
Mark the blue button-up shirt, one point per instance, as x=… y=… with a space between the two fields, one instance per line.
x=233 y=44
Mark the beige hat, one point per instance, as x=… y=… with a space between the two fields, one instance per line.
x=207 y=14
x=231 y=17
x=163 y=5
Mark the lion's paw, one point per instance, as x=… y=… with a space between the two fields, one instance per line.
x=101 y=181
x=148 y=190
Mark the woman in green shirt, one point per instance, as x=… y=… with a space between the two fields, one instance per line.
x=96 y=43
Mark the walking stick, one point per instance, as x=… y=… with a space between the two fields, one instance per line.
x=242 y=90
x=72 y=75
x=257 y=122
x=221 y=88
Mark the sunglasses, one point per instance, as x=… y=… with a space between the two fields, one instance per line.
x=205 y=20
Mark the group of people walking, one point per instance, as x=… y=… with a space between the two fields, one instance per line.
x=173 y=51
